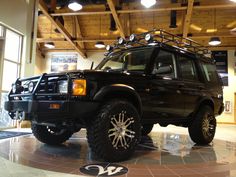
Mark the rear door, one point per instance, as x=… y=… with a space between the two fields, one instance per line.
x=192 y=87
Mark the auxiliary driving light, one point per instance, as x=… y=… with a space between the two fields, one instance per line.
x=121 y=41
x=109 y=48
x=31 y=87
x=132 y=37
x=149 y=37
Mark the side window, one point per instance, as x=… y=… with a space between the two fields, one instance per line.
x=187 y=68
x=137 y=60
x=210 y=72
x=165 y=64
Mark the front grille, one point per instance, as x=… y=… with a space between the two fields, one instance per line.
x=45 y=87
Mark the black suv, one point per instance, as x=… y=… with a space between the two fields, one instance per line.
x=154 y=77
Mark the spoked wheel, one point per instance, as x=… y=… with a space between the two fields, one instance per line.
x=121 y=130
x=50 y=135
x=202 y=130
x=115 y=132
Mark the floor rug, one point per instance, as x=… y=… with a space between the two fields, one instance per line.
x=9 y=134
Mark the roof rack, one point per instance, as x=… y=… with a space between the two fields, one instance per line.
x=159 y=36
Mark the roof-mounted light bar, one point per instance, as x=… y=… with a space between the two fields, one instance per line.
x=157 y=36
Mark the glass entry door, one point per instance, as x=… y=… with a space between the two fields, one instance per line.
x=10 y=55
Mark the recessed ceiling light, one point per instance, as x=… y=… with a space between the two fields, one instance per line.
x=148 y=3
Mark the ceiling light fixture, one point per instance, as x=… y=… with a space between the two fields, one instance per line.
x=49 y=45
x=100 y=44
x=74 y=5
x=233 y=0
x=148 y=3
x=214 y=41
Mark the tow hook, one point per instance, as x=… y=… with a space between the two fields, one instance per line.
x=20 y=116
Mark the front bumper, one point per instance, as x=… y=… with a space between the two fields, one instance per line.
x=42 y=111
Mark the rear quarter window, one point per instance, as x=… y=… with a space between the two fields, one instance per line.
x=210 y=73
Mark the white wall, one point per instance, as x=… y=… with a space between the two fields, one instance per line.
x=18 y=15
x=230 y=90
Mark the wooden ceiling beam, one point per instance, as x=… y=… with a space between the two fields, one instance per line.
x=60 y=27
x=102 y=50
x=78 y=32
x=159 y=9
x=84 y=40
x=88 y=40
x=188 y=17
x=116 y=18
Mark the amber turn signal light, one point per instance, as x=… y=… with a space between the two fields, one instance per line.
x=79 y=87
x=54 y=106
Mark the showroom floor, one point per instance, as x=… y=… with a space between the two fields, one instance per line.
x=166 y=152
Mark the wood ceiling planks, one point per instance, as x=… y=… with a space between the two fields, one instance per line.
x=95 y=24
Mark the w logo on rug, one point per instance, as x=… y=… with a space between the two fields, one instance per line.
x=104 y=169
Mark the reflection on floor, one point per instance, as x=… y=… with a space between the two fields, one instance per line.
x=166 y=152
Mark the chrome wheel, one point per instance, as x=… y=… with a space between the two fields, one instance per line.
x=208 y=125
x=55 y=131
x=121 y=130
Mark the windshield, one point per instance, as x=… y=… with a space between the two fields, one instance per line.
x=135 y=60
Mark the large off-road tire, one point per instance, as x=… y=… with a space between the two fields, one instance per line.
x=202 y=129
x=50 y=135
x=146 y=129
x=115 y=132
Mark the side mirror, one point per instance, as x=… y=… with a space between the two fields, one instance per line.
x=163 y=70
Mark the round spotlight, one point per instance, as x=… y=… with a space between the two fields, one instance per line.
x=100 y=44
x=74 y=5
x=121 y=41
x=109 y=48
x=132 y=37
x=31 y=87
x=148 y=37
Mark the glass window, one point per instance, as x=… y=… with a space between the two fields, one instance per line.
x=136 y=60
x=210 y=72
x=9 y=77
x=187 y=68
x=5 y=120
x=131 y=61
x=12 y=46
x=165 y=64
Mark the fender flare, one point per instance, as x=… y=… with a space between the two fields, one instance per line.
x=119 y=89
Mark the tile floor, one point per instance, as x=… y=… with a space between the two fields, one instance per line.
x=167 y=152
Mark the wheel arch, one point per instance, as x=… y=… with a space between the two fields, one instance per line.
x=117 y=91
x=205 y=101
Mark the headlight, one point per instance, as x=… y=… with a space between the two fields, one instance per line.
x=79 y=87
x=13 y=88
x=31 y=86
x=63 y=87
